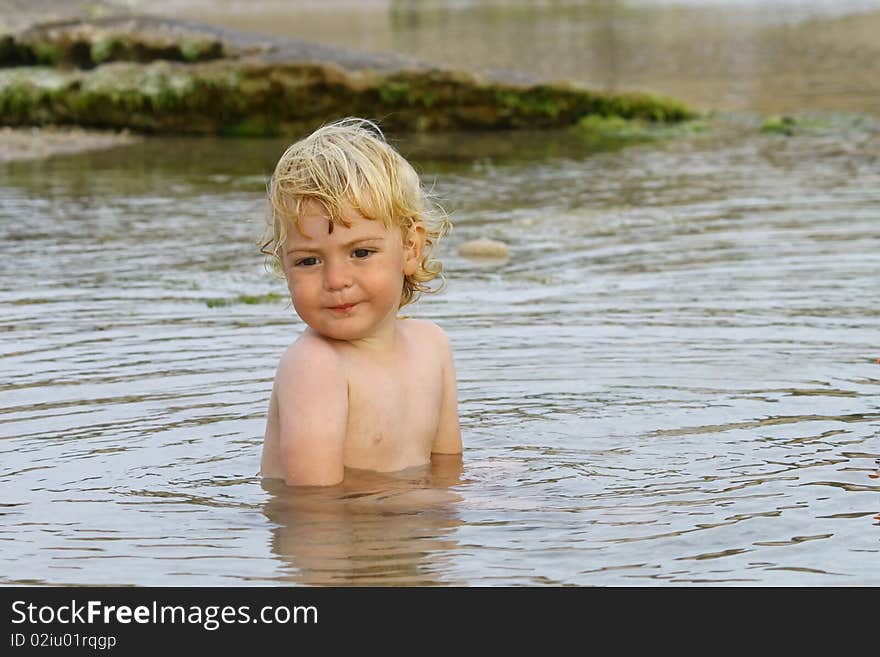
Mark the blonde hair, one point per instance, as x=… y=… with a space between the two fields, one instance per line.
x=350 y=162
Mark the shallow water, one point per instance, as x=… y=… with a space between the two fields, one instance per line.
x=672 y=380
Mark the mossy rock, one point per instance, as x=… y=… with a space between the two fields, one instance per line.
x=603 y=132
x=782 y=125
x=86 y=45
x=158 y=75
x=256 y=98
x=791 y=125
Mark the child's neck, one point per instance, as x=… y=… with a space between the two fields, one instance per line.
x=385 y=340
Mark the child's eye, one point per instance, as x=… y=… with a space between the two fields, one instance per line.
x=361 y=253
x=306 y=262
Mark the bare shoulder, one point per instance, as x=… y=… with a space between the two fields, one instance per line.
x=428 y=331
x=309 y=352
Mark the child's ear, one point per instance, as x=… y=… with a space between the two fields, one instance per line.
x=413 y=245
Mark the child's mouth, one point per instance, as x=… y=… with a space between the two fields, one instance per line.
x=343 y=308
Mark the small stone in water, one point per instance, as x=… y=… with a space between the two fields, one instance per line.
x=484 y=248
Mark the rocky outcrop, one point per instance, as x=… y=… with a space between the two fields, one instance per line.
x=159 y=76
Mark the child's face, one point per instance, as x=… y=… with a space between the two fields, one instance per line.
x=346 y=285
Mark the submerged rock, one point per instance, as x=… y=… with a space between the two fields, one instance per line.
x=156 y=75
x=783 y=125
x=484 y=248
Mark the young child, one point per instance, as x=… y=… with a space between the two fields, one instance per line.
x=353 y=232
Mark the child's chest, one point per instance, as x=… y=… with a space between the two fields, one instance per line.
x=393 y=414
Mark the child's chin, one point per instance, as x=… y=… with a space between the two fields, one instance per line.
x=347 y=333
x=344 y=336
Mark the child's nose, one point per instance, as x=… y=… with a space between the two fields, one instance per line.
x=337 y=275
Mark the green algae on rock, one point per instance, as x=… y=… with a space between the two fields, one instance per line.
x=247 y=299
x=249 y=97
x=783 y=125
x=610 y=130
x=789 y=125
x=86 y=44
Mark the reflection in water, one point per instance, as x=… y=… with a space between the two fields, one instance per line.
x=373 y=529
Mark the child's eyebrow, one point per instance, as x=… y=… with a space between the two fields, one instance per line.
x=347 y=245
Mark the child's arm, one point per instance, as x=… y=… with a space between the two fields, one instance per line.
x=313 y=415
x=448 y=439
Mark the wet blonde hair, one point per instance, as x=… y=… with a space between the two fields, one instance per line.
x=349 y=162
